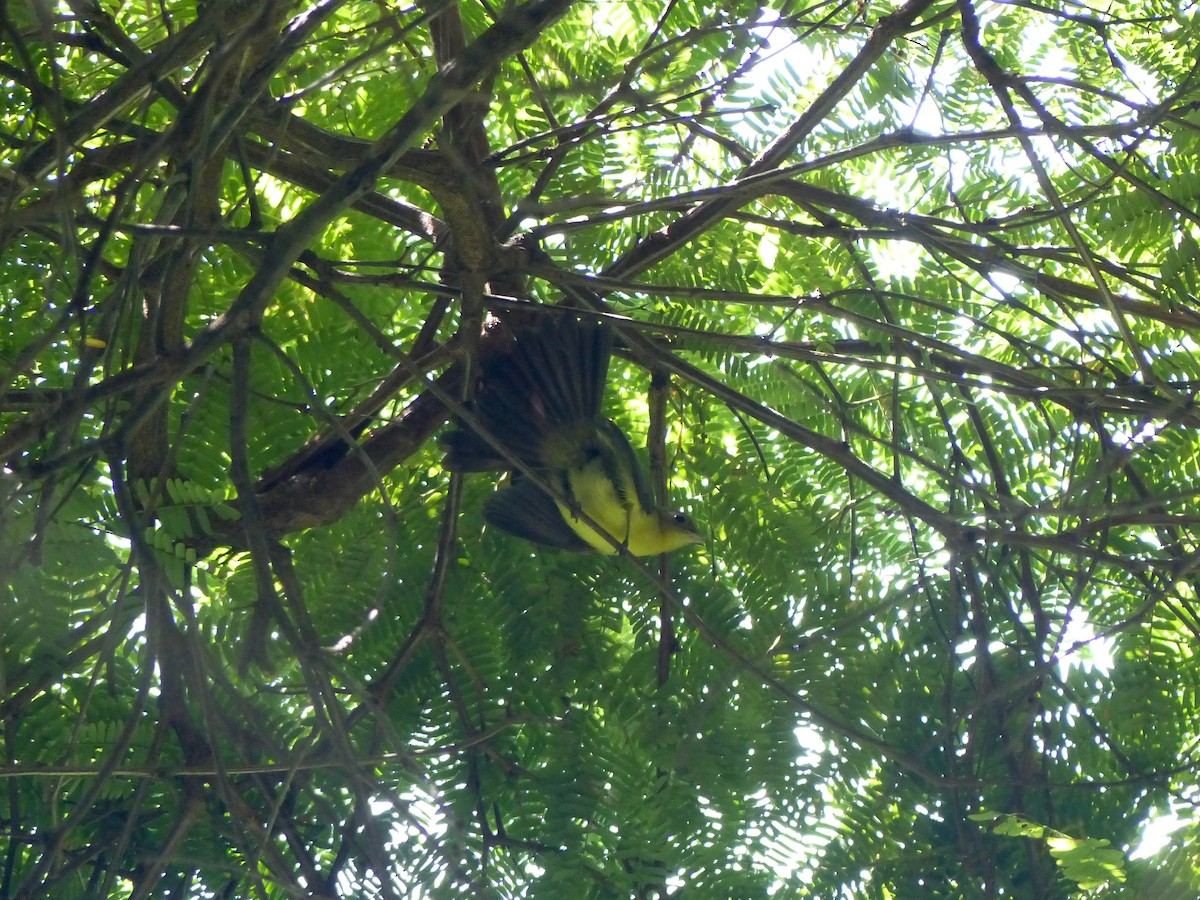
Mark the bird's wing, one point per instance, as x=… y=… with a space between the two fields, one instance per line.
x=564 y=363
x=626 y=471
x=552 y=379
x=526 y=511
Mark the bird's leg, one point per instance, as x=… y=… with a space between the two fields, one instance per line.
x=568 y=495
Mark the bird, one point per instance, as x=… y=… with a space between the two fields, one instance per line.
x=543 y=403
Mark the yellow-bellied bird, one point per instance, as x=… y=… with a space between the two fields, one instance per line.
x=542 y=402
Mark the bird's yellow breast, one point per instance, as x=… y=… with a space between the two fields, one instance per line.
x=642 y=533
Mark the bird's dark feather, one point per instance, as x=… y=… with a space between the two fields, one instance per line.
x=526 y=511
x=553 y=377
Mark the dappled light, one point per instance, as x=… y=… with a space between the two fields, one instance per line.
x=360 y=359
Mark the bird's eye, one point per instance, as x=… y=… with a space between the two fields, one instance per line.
x=682 y=518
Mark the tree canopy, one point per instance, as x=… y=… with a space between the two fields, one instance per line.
x=905 y=301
